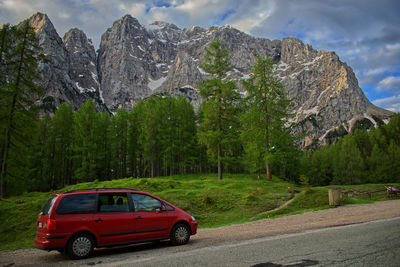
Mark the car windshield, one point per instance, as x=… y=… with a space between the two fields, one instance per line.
x=47 y=206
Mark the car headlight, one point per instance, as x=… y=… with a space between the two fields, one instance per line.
x=194 y=219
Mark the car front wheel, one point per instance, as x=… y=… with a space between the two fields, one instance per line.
x=80 y=246
x=180 y=234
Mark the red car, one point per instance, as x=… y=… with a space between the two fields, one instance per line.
x=77 y=221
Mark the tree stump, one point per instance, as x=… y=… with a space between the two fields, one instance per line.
x=335 y=196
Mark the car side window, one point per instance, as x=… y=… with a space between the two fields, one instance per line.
x=168 y=207
x=77 y=204
x=145 y=203
x=113 y=202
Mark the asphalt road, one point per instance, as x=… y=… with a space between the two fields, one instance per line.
x=374 y=243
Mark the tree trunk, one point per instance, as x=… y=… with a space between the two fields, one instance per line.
x=267 y=164
x=268 y=167
x=219 y=163
x=4 y=166
x=3 y=42
x=7 y=145
x=152 y=169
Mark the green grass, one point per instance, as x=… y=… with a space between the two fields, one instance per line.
x=236 y=199
x=18 y=220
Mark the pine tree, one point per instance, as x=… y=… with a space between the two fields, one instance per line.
x=348 y=162
x=394 y=160
x=133 y=146
x=62 y=135
x=85 y=143
x=165 y=109
x=20 y=54
x=187 y=150
x=104 y=145
x=119 y=141
x=319 y=166
x=149 y=137
x=139 y=114
x=6 y=44
x=41 y=163
x=5 y=48
x=219 y=111
x=379 y=165
x=265 y=108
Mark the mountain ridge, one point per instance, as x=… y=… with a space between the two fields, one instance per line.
x=134 y=62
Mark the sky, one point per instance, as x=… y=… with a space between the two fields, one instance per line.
x=364 y=33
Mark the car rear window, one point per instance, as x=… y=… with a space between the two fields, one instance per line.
x=47 y=206
x=77 y=204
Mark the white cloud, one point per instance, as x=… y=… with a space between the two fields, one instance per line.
x=390 y=83
x=248 y=24
x=137 y=10
x=377 y=71
x=391 y=103
x=393 y=49
x=371 y=76
x=18 y=7
x=203 y=13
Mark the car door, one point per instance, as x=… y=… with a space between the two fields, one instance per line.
x=151 y=219
x=75 y=213
x=114 y=221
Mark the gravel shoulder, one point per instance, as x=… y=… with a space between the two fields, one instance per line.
x=344 y=215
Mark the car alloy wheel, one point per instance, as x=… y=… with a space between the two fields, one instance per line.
x=81 y=246
x=180 y=234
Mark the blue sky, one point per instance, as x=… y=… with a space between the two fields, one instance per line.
x=364 y=33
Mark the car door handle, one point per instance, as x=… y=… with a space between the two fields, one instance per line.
x=139 y=218
x=98 y=220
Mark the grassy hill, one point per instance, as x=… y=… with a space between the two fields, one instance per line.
x=236 y=199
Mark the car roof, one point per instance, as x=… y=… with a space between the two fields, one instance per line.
x=106 y=189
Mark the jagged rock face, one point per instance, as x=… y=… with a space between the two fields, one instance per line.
x=82 y=58
x=183 y=72
x=59 y=83
x=123 y=64
x=135 y=62
x=324 y=91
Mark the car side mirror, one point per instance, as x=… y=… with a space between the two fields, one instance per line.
x=162 y=208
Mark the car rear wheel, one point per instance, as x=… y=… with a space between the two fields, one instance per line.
x=180 y=234
x=80 y=246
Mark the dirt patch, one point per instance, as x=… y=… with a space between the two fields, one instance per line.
x=278 y=208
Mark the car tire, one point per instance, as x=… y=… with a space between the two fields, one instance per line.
x=80 y=246
x=180 y=234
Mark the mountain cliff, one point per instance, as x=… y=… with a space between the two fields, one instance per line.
x=136 y=61
x=67 y=72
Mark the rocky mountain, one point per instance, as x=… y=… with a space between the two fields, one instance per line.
x=136 y=61
x=327 y=99
x=69 y=73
